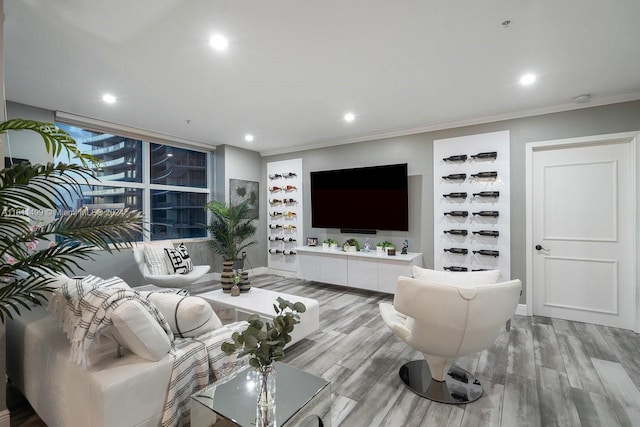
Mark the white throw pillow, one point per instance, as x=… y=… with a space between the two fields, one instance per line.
x=179 y=260
x=187 y=316
x=136 y=330
x=156 y=258
x=456 y=278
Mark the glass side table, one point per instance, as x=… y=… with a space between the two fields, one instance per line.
x=302 y=399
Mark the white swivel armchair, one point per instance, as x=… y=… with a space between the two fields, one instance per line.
x=166 y=280
x=445 y=322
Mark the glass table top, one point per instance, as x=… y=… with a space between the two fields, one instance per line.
x=236 y=398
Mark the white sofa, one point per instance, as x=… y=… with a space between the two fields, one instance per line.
x=114 y=392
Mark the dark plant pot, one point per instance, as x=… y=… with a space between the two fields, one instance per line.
x=244 y=284
x=226 y=278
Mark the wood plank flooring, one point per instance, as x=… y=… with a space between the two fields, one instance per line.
x=543 y=372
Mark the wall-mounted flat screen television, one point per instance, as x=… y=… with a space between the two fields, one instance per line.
x=369 y=198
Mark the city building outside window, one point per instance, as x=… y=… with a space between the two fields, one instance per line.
x=174 y=180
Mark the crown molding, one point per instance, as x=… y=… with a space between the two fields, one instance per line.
x=457 y=124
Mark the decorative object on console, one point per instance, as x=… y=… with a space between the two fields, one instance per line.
x=383 y=246
x=26 y=271
x=264 y=343
x=351 y=245
x=312 y=241
x=329 y=243
x=235 y=290
x=405 y=247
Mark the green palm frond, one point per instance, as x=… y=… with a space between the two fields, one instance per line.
x=40 y=186
x=230 y=228
x=55 y=139
x=28 y=190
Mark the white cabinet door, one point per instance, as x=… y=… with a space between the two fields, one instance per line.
x=363 y=274
x=333 y=269
x=388 y=273
x=309 y=266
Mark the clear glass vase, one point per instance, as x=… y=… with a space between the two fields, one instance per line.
x=266 y=405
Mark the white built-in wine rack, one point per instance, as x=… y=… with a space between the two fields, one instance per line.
x=472 y=203
x=284 y=213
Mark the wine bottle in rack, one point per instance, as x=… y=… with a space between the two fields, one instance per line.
x=275 y=176
x=485 y=155
x=275 y=189
x=275 y=251
x=492 y=174
x=460 y=195
x=275 y=226
x=459 y=251
x=457 y=213
x=456 y=232
x=487 y=213
x=289 y=227
x=290 y=188
x=289 y=201
x=487 y=252
x=456 y=158
x=275 y=201
x=487 y=194
x=275 y=238
x=289 y=175
x=275 y=214
x=288 y=239
x=480 y=269
x=488 y=233
x=289 y=214
x=289 y=252
x=455 y=268
x=455 y=176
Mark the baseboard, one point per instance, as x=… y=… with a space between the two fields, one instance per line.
x=522 y=310
x=5 y=418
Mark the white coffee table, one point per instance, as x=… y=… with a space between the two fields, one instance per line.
x=260 y=301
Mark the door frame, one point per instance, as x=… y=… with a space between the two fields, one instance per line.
x=530 y=149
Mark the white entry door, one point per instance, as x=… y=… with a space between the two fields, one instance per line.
x=583 y=225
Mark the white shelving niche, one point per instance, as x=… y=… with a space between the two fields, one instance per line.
x=286 y=176
x=443 y=242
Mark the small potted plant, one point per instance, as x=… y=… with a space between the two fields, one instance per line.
x=329 y=243
x=351 y=245
x=383 y=247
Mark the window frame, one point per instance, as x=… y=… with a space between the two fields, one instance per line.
x=146 y=186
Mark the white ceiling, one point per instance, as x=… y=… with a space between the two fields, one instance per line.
x=293 y=68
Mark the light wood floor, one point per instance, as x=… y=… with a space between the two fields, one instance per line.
x=544 y=372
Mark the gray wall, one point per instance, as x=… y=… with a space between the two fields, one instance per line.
x=417 y=151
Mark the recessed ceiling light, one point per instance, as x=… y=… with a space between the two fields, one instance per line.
x=527 y=79
x=108 y=98
x=248 y=137
x=219 y=42
x=349 y=117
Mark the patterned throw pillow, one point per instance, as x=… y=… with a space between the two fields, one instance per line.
x=155 y=258
x=179 y=259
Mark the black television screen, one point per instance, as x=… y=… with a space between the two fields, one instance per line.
x=369 y=198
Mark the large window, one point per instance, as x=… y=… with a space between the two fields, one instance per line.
x=168 y=184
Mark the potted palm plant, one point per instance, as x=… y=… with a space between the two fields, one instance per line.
x=230 y=228
x=26 y=191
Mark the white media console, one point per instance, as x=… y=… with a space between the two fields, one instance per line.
x=364 y=270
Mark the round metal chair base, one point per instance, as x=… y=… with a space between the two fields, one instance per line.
x=458 y=388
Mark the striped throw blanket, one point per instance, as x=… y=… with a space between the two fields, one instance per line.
x=198 y=362
x=85 y=307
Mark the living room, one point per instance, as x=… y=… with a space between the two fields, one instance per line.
x=232 y=159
